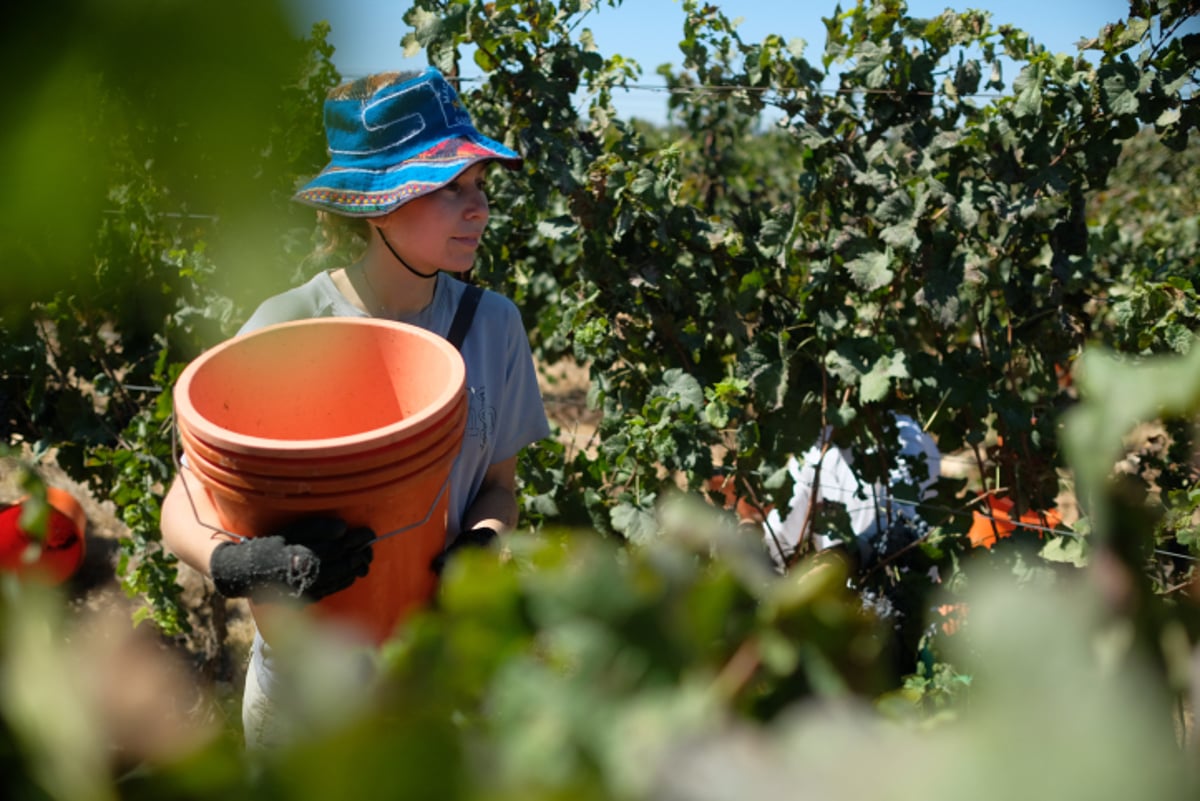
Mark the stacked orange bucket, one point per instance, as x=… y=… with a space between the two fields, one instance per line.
x=356 y=418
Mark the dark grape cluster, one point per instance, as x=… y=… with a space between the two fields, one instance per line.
x=901 y=532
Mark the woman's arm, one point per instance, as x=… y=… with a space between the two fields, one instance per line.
x=309 y=558
x=495 y=506
x=182 y=532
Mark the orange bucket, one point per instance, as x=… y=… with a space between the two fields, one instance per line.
x=318 y=389
x=352 y=417
x=63 y=549
x=289 y=486
x=308 y=468
x=408 y=516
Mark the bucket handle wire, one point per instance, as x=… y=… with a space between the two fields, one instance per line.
x=240 y=538
x=180 y=466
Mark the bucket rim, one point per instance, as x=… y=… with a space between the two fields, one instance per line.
x=299 y=465
x=438 y=469
x=369 y=439
x=325 y=486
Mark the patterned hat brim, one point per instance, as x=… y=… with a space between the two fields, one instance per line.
x=368 y=192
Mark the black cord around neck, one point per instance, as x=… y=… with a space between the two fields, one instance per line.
x=402 y=261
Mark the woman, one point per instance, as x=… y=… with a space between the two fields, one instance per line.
x=406 y=159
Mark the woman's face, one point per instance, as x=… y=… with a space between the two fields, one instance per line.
x=441 y=230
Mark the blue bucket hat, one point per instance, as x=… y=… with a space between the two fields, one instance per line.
x=403 y=139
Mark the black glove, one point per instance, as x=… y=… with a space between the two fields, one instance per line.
x=478 y=537
x=311 y=558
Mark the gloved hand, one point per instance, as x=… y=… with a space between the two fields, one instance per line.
x=477 y=537
x=309 y=559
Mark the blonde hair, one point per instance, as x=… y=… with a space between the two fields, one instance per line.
x=341 y=240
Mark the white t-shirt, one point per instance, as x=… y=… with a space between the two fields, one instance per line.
x=837 y=481
x=505 y=409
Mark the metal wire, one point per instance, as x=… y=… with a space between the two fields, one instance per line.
x=181 y=465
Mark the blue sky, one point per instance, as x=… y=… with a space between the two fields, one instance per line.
x=367 y=33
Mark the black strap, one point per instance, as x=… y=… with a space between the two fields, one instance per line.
x=464 y=315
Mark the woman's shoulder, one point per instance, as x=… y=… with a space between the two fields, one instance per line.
x=491 y=303
x=317 y=297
